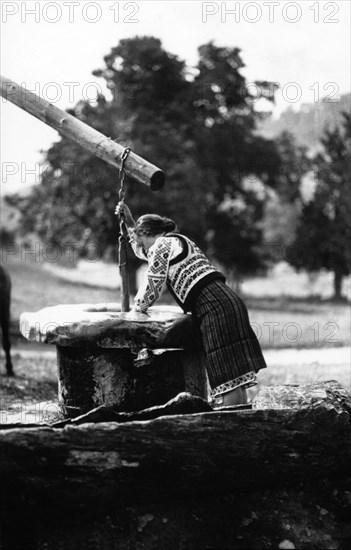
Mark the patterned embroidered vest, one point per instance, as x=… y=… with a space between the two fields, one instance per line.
x=189 y=273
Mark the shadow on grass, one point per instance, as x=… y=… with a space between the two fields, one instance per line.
x=21 y=387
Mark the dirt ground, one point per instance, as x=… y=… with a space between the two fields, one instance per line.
x=303 y=515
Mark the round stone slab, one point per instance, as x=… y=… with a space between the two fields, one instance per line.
x=104 y=324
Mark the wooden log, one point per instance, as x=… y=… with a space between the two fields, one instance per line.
x=310 y=396
x=90 y=139
x=123 y=268
x=186 y=454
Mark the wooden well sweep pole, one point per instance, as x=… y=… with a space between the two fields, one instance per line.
x=97 y=143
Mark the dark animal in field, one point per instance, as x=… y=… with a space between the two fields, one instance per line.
x=5 y=300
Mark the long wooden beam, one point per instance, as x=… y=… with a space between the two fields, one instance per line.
x=89 y=138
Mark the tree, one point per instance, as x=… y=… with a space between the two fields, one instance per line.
x=198 y=126
x=282 y=208
x=324 y=230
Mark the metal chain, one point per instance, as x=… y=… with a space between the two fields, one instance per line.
x=122 y=174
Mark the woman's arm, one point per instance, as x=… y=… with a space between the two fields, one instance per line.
x=156 y=275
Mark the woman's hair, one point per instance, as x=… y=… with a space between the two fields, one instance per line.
x=152 y=224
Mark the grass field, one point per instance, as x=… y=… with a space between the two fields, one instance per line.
x=34 y=288
x=279 y=321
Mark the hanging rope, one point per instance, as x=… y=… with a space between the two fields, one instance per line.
x=123 y=240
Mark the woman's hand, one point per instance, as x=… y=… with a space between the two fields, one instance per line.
x=123 y=210
x=136 y=314
x=135 y=309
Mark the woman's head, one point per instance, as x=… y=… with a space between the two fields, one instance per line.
x=151 y=225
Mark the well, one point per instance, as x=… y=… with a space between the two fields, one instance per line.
x=129 y=361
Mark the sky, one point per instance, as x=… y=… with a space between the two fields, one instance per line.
x=53 y=47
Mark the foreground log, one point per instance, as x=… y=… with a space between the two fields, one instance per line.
x=184 y=454
x=87 y=137
x=322 y=395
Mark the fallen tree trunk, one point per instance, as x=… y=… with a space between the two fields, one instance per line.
x=183 y=454
x=87 y=137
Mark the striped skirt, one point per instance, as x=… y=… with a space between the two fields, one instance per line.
x=233 y=353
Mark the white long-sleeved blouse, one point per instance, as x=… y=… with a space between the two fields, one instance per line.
x=176 y=261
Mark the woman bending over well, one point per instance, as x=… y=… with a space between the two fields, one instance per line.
x=233 y=353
